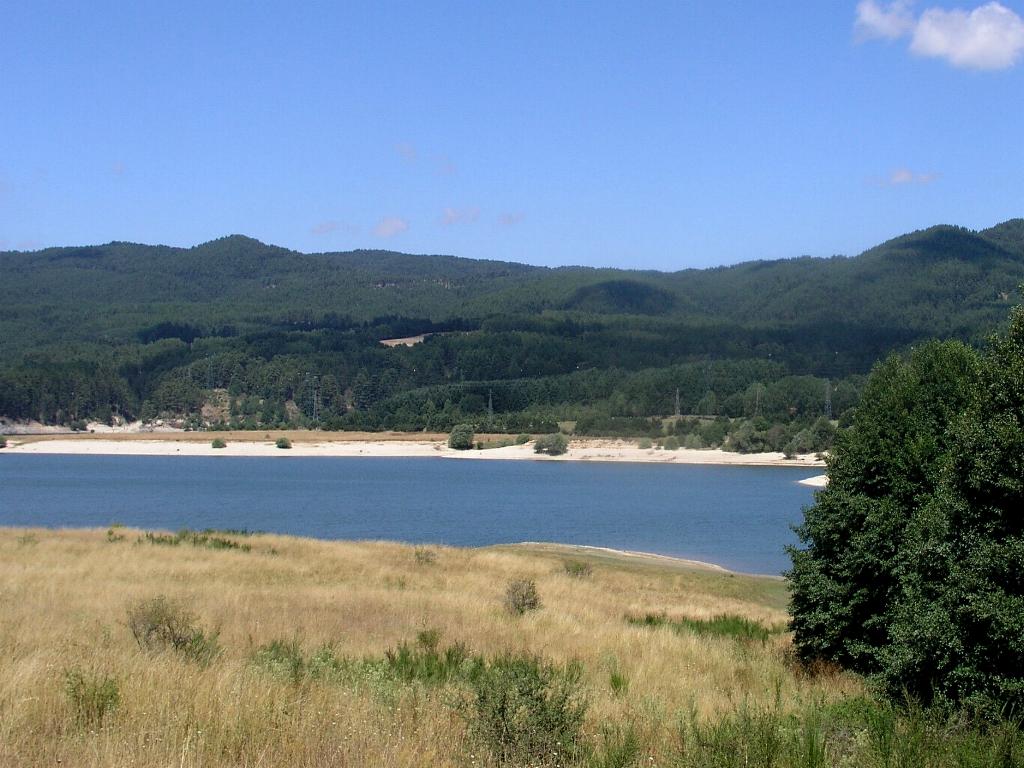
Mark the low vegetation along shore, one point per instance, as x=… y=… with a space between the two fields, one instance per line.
x=125 y=647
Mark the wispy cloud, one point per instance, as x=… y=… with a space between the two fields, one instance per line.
x=446 y=167
x=390 y=226
x=324 y=228
x=989 y=37
x=406 y=151
x=509 y=219
x=459 y=216
x=902 y=177
x=888 y=21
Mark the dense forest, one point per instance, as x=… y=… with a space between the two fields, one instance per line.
x=236 y=333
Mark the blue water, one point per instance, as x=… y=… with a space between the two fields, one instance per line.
x=738 y=517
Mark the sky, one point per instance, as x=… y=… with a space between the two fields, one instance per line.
x=643 y=135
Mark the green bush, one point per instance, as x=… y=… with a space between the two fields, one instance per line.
x=644 y=443
x=283 y=658
x=283 y=442
x=426 y=663
x=461 y=437
x=91 y=697
x=218 y=443
x=521 y=596
x=554 y=444
x=909 y=569
x=158 y=624
x=520 y=439
x=670 y=443
x=578 y=569
x=3 y=442
x=527 y=712
x=693 y=442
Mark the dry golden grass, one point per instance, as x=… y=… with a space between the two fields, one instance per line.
x=63 y=601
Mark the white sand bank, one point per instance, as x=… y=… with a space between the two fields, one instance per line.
x=579 y=450
x=818 y=481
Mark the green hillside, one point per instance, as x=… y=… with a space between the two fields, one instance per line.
x=278 y=337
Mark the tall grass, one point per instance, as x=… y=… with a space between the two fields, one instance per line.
x=335 y=653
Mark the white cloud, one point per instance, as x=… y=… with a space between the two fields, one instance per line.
x=988 y=37
x=459 y=215
x=390 y=226
x=889 y=21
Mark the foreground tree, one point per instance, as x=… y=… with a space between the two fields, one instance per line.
x=911 y=568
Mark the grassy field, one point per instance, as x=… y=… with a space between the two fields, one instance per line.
x=310 y=653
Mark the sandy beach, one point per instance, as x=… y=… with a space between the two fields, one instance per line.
x=308 y=443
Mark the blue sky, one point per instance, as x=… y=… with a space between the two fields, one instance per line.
x=639 y=135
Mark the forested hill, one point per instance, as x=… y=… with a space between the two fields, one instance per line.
x=260 y=319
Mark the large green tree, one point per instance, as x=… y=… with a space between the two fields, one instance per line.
x=911 y=567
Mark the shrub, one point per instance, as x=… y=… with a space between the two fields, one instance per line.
x=283 y=442
x=113 y=536
x=671 y=443
x=92 y=697
x=283 y=658
x=552 y=445
x=3 y=442
x=527 y=712
x=159 y=624
x=461 y=437
x=218 y=443
x=425 y=556
x=644 y=443
x=520 y=439
x=204 y=539
x=522 y=596
x=78 y=425
x=578 y=569
x=693 y=442
x=426 y=663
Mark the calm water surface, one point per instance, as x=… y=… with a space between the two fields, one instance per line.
x=739 y=517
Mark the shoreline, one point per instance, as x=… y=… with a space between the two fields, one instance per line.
x=620 y=556
x=386 y=445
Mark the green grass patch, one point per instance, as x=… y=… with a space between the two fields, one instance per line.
x=725 y=625
x=207 y=539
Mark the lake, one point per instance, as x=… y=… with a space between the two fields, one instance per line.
x=737 y=517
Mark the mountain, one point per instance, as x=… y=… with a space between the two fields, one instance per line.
x=258 y=320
